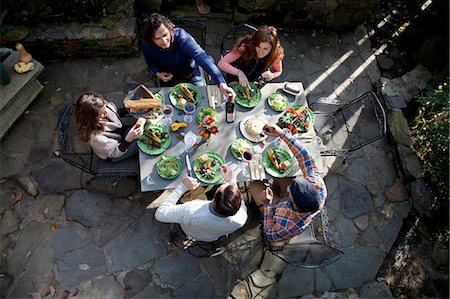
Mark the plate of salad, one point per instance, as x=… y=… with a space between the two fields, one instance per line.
x=277 y=101
x=168 y=167
x=298 y=119
x=208 y=117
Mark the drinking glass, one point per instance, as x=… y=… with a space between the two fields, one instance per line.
x=189 y=141
x=247 y=157
x=167 y=112
x=188 y=108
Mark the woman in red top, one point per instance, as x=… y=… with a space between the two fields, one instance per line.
x=254 y=57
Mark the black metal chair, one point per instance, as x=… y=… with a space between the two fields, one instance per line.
x=347 y=127
x=231 y=37
x=197 y=248
x=305 y=250
x=79 y=154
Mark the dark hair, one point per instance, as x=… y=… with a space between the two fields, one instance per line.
x=87 y=113
x=264 y=34
x=151 y=23
x=227 y=200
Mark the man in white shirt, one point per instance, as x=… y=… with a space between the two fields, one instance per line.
x=205 y=220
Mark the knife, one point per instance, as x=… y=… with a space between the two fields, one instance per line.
x=189 y=167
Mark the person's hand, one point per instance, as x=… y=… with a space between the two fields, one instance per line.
x=191 y=183
x=273 y=130
x=267 y=75
x=163 y=76
x=226 y=172
x=226 y=90
x=266 y=196
x=134 y=133
x=243 y=80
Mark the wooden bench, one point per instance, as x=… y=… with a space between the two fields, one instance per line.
x=19 y=93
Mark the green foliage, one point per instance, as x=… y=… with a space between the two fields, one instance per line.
x=431 y=132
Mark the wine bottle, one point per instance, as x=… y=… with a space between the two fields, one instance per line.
x=229 y=109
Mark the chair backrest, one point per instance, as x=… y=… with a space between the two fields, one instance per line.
x=304 y=250
x=231 y=37
x=347 y=127
x=195 y=28
x=80 y=154
x=71 y=148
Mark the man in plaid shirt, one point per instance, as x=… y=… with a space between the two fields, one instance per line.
x=286 y=217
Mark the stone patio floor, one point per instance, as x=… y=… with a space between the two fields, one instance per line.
x=63 y=230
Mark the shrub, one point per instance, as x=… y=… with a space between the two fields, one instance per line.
x=430 y=129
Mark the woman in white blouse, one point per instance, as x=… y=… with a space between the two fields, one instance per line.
x=99 y=124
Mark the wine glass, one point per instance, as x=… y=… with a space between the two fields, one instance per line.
x=167 y=112
x=189 y=141
x=247 y=157
x=188 y=108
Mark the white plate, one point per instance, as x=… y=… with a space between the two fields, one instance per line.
x=246 y=135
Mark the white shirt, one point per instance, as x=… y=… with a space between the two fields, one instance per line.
x=196 y=219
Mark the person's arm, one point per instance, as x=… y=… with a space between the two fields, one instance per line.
x=169 y=211
x=291 y=225
x=276 y=68
x=225 y=63
x=305 y=162
x=146 y=49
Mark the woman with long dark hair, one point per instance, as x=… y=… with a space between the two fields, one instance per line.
x=99 y=124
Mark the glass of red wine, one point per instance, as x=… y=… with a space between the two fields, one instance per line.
x=167 y=112
x=247 y=155
x=189 y=109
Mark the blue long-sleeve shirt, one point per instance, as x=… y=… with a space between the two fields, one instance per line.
x=182 y=58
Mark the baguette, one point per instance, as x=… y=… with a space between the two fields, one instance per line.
x=140 y=122
x=142 y=103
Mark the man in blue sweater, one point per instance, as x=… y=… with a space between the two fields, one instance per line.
x=174 y=55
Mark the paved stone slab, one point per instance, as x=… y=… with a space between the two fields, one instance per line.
x=106 y=287
x=153 y=291
x=343 y=275
x=9 y=222
x=135 y=246
x=109 y=76
x=175 y=270
x=347 y=230
x=49 y=206
x=29 y=241
x=354 y=199
x=199 y=288
x=295 y=282
x=376 y=290
x=118 y=219
x=49 y=177
x=135 y=281
x=76 y=260
x=365 y=260
x=322 y=282
x=87 y=208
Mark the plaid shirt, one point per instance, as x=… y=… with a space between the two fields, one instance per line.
x=282 y=221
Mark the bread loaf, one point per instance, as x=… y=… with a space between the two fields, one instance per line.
x=143 y=104
x=140 y=122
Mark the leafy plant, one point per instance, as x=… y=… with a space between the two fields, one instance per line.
x=430 y=129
